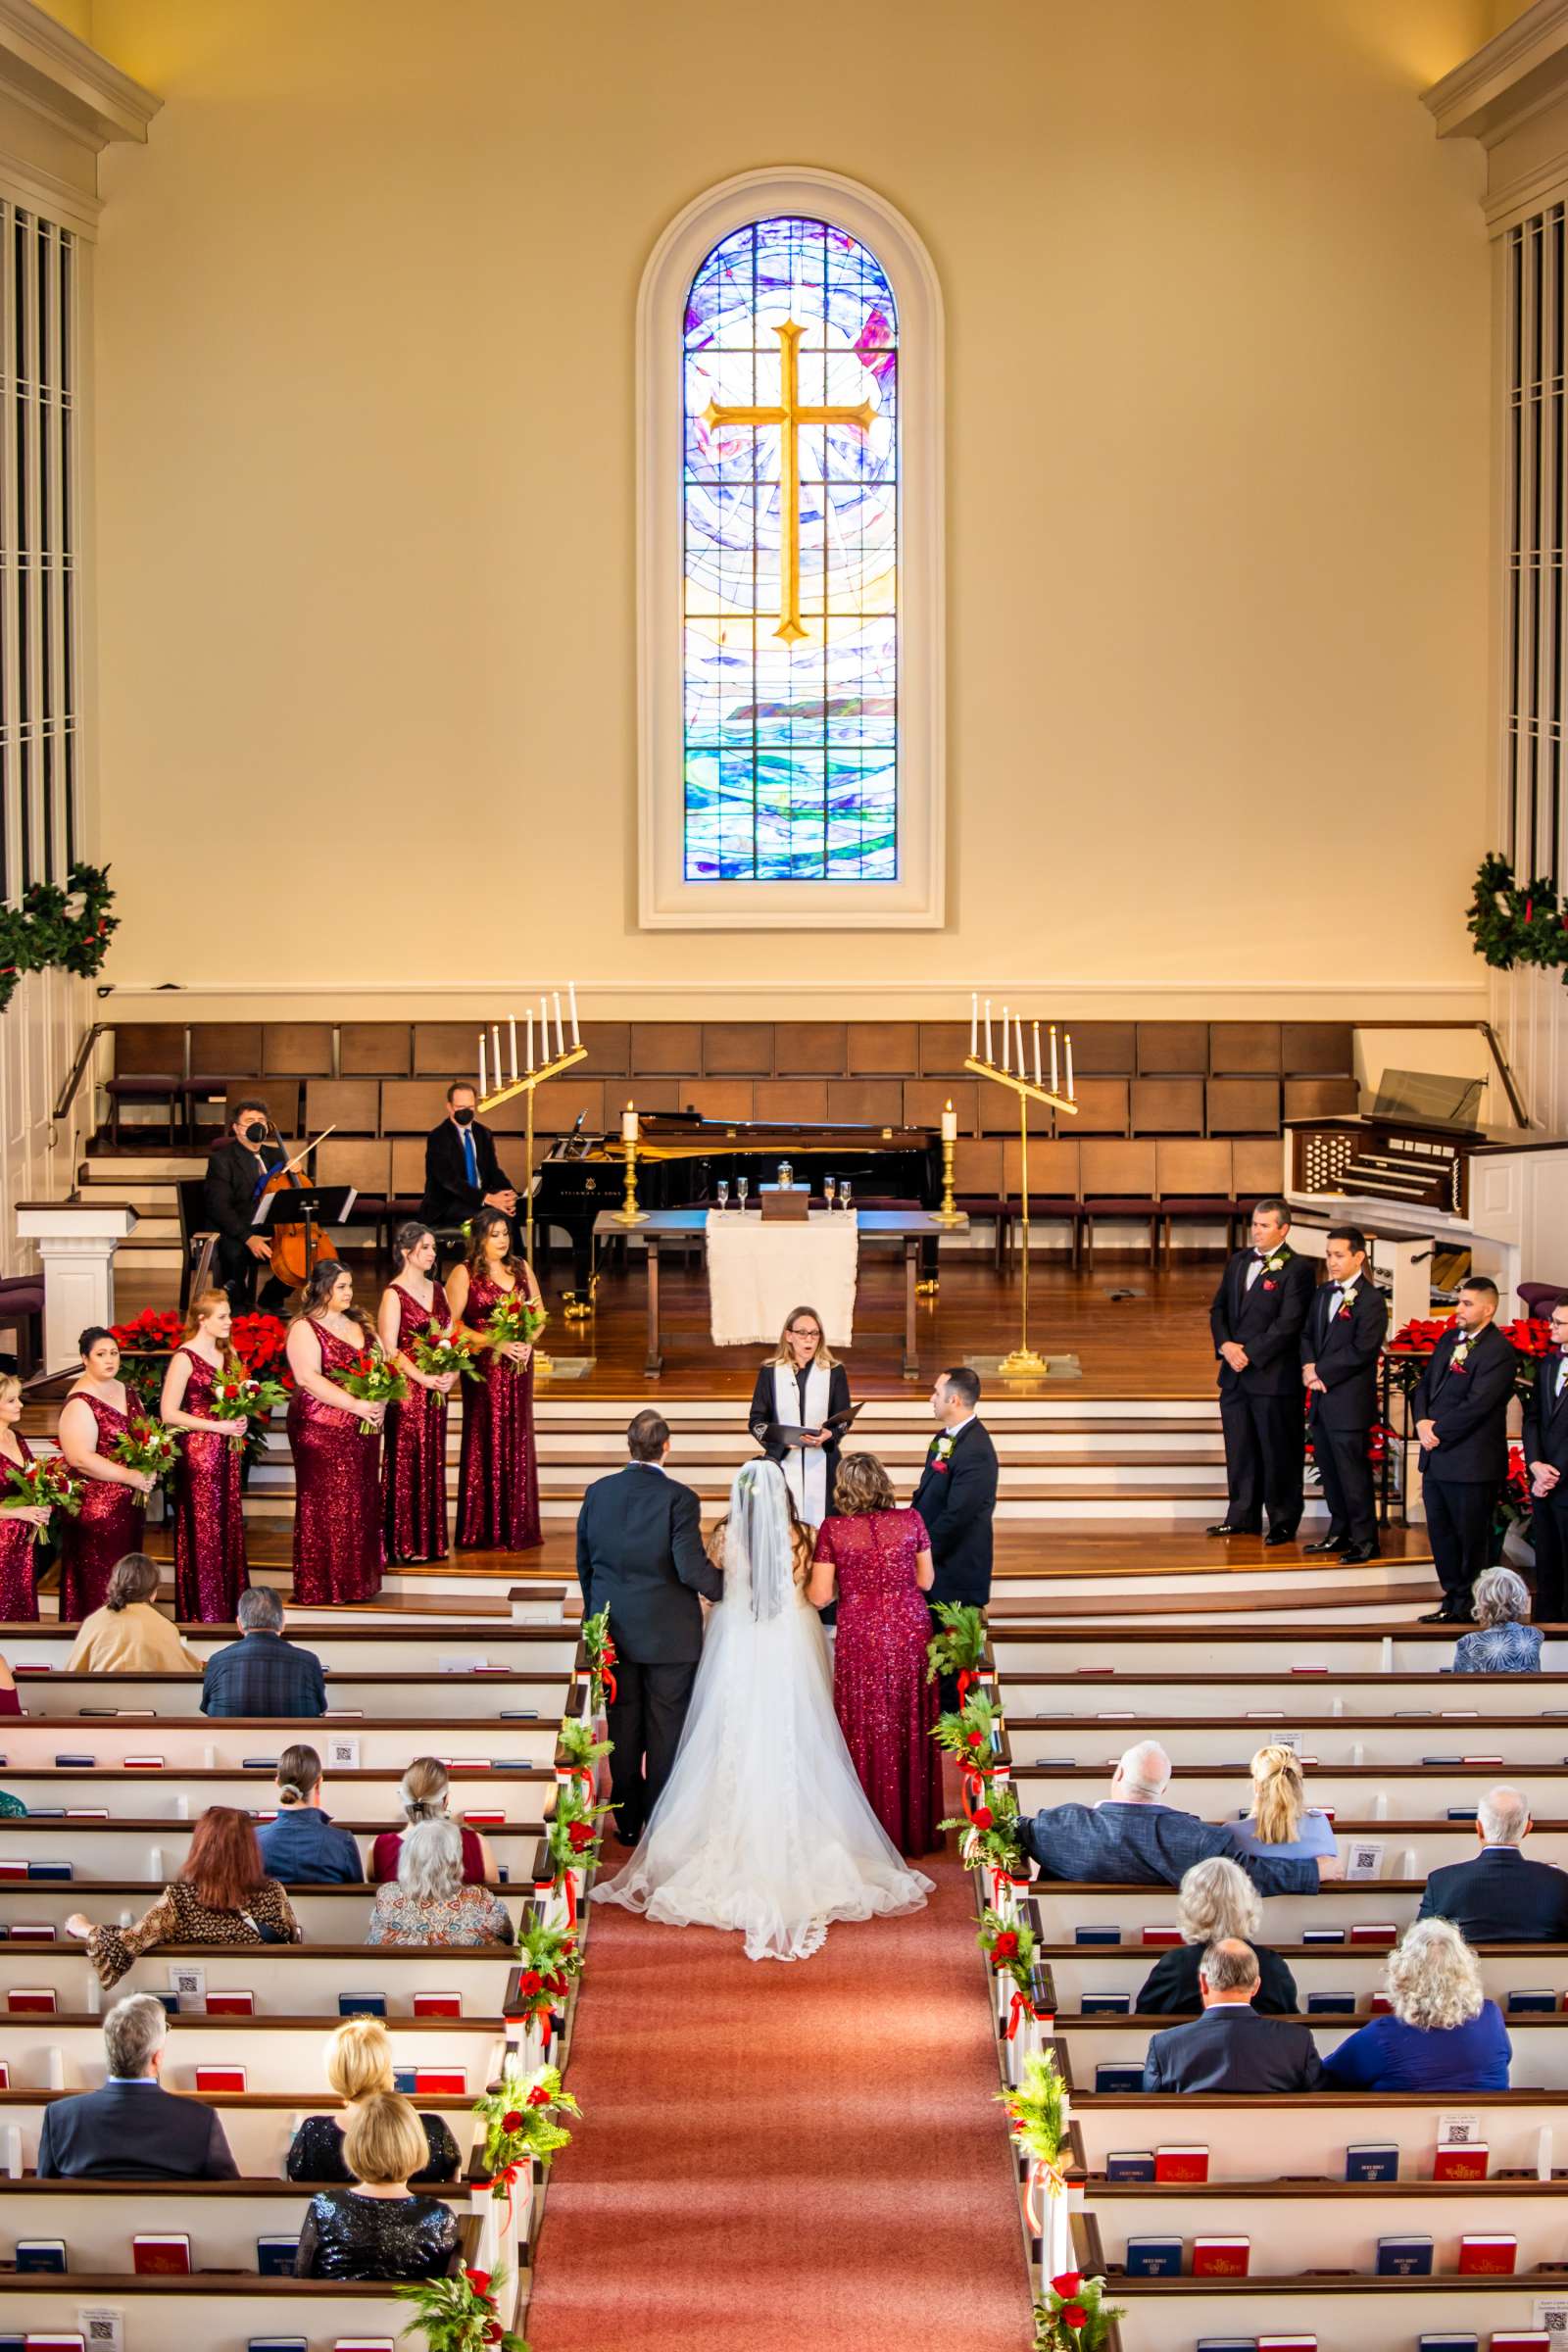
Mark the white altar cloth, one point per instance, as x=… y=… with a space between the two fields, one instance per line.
x=759 y=1269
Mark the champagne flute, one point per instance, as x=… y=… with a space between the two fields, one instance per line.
x=723 y=1195
x=743 y=1185
x=846 y=1188
x=829 y=1187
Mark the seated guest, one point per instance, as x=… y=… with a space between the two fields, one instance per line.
x=423 y=1795
x=1280 y=1822
x=376 y=2230
x=261 y=1674
x=1505 y=1643
x=1445 y=2035
x=1134 y=1836
x=462 y=1173
x=1217 y=1904
x=428 y=1903
x=300 y=1847
x=127 y=1635
x=222 y=1895
x=133 y=2128
x=359 y=2066
x=1230 y=2047
x=1500 y=1896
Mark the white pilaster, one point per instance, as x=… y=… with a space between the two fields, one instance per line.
x=77 y=1242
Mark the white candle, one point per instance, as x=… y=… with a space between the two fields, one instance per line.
x=54 y=2060
x=974 y=1025
x=495 y=1066
x=527 y=1037
x=560 y=1034
x=1006 y=1033
x=209 y=1758
x=1022 y=1072
x=950 y=1125
x=1039 y=1081
x=628 y=1125
x=988 y=1028
x=1072 y=1096
x=571 y=1001
x=483 y=1088
x=1053 y=1057
x=544 y=1028
x=512 y=1043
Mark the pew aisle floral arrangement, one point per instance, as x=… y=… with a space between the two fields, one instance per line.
x=549 y=1963
x=1074 y=2316
x=958 y=1647
x=580 y=1752
x=460 y=2315
x=572 y=1838
x=600 y=1652
x=520 y=2127
x=970 y=1735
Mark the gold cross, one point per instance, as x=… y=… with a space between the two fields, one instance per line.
x=789 y=416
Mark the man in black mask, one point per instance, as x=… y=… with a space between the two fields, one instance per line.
x=237 y=1167
x=462 y=1172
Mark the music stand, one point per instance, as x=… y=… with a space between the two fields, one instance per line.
x=307 y=1205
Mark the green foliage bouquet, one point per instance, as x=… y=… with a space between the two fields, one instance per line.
x=459 y=2315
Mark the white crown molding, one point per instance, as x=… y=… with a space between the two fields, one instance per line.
x=1312 y=992
x=66 y=81
x=1547 y=183
x=1507 y=79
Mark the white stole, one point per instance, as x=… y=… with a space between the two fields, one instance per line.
x=805 y=1467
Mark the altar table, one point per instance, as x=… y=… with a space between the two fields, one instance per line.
x=761 y=1268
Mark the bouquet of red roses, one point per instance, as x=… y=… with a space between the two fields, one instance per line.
x=236 y=1398
x=45 y=1485
x=373 y=1381
x=150 y=1446
x=514 y=1318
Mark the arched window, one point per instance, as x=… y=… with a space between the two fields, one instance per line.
x=790 y=365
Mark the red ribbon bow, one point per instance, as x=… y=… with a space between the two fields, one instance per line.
x=1023 y=2006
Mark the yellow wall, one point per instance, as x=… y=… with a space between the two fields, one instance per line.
x=1217 y=374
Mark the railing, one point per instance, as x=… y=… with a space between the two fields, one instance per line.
x=78 y=1069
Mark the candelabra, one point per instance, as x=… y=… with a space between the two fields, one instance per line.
x=523 y=1081
x=1023 y=1362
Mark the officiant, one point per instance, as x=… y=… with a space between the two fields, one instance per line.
x=804 y=1388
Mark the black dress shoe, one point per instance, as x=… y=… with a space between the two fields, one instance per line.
x=1279 y=1534
x=1442 y=1617
x=1355 y=1554
x=1328 y=1544
x=1224 y=1528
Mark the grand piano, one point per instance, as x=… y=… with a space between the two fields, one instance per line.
x=681 y=1158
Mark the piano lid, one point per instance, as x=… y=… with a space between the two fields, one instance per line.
x=683 y=1135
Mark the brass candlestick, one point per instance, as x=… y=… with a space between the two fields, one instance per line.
x=947 y=1214
x=1024 y=1363
x=628 y=1213
x=524 y=1085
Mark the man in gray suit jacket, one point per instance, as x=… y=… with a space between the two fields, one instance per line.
x=1135 y=1837
x=1230 y=2047
x=640 y=1556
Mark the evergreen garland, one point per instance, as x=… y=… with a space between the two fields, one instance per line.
x=70 y=927
x=1516 y=923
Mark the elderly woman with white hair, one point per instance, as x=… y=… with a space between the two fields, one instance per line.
x=1444 y=2035
x=1217 y=1902
x=427 y=1902
x=1500 y=1602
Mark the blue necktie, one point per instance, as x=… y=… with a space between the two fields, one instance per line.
x=468 y=1160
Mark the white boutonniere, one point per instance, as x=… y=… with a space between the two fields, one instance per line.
x=1460 y=1351
x=1272 y=1265
x=941 y=1448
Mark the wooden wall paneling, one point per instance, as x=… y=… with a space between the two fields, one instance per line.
x=351 y=1104
x=408 y=1166
x=296 y=1049
x=883 y=1049
x=811 y=1049
x=997 y=1112
x=1178 y=1049
x=648 y=1095
x=608 y=1048
x=1237 y=1049
x=924 y=1100
x=365 y=1161
x=943 y=1046
x=411 y=1106
x=446 y=1050
x=1320 y=1098
x=1103 y=1106
x=374 y=1048
x=225 y=1048
x=280 y=1094
x=1257 y=1166
x=1167 y=1107
x=865 y=1102
x=1317 y=1049
x=1099 y=1048
x=729 y=1098
x=150 y=1050
x=1054 y=1170
x=1122 y=1169
x=1187 y=1170
x=665 y=1049
x=1244 y=1106
x=977 y=1165
x=737 y=1050
x=790 y=1102
x=556 y=1104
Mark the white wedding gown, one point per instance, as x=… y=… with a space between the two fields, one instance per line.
x=763 y=1827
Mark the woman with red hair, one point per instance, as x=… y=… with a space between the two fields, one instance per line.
x=222 y=1895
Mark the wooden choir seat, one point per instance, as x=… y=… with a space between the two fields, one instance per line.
x=1194 y=1181
x=366 y=1162
x=1055 y=1188
x=1118 y=1181
x=149 y=1069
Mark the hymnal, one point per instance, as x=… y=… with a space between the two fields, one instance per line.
x=1463 y=2160
x=80 y=1813
x=231 y=2004
x=1534 y=2001
x=1331 y=2004
x=62 y=1871
x=361 y=2005
x=5 y=2074
x=1161 y=1935
x=258 y=1763
x=1501 y=2340
x=403 y=2080
x=41 y=2254
x=275 y=2257
x=160 y=2254
x=438 y=2004
x=12 y=1869
x=1105 y=2005
x=1153 y=2258
x=31 y=1931
x=363 y=2343
x=145 y=1764
x=1493 y=1760
x=1097 y=1935
x=1487 y=2254
x=1368 y=2160
x=1175 y=2163
x=493 y=1817
x=1221 y=2257
x=1404 y=2258
x=1460 y=1813
x=1292 y=2341
x=1130 y=2164
x=276 y=2343
x=75 y=1763
x=32 y=2000
x=1461 y=2339
x=441 y=2081
x=1381 y=2006
x=220 y=2077
x=1322 y=1935
x=1375 y=1931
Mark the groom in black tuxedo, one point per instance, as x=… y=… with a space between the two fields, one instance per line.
x=640 y=1556
x=957 y=1498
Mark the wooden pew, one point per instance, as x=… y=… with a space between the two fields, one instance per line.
x=223 y=2218
x=371 y=1793
x=1340 y=2221
x=389 y=1695
x=288 y=1979
x=1064 y=1648
x=1079 y=1969
x=326 y=1914
x=1540 y=2048
x=1331 y=1741
x=192 y=1744
x=257 y=2123
x=1066 y=1904
x=123 y=1846
x=1341 y=2315
x=1218 y=1790
x=274 y=2050
x=1264 y=2137
x=220 y=2314
x=345 y=1645
x=1518 y=1699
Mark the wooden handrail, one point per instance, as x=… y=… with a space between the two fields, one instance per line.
x=95 y=1030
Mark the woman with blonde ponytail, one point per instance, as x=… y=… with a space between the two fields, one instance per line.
x=1280 y=1821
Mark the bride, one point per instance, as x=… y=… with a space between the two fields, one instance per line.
x=762 y=1826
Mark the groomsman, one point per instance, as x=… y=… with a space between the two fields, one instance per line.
x=956 y=1496
x=1460 y=1411
x=1346 y=1325
x=1546 y=1452
x=1256 y=1319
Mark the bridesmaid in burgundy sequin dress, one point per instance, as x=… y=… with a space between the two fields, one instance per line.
x=209 y=1570
x=498 y=1502
x=99 y=1409
x=338 y=1499
x=413 y=1464
x=885 y=1708
x=18 y=1524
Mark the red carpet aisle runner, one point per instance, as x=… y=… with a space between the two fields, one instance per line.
x=773 y=2158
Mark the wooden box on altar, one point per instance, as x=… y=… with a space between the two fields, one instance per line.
x=785 y=1203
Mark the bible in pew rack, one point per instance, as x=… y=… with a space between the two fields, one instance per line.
x=1023 y=1364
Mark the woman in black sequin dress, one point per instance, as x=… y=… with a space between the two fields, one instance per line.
x=377 y=2229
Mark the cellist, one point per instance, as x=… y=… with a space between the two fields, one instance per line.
x=238 y=1166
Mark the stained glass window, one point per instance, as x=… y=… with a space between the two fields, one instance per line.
x=791 y=568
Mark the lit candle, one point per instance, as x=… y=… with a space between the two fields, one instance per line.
x=1072 y=1096
x=571 y=999
x=1053 y=1057
x=512 y=1038
x=483 y=1088
x=495 y=1039
x=1022 y=1072
x=1006 y=1034
x=974 y=1025
x=529 y=1037
x=560 y=1034
x=988 y=1028
x=628 y=1125
x=1039 y=1081
x=950 y=1125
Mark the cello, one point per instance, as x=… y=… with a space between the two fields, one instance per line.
x=297 y=1249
